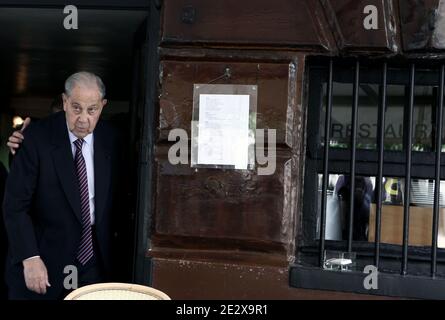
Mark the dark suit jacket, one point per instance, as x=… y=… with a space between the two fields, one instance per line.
x=41 y=205
x=3 y=238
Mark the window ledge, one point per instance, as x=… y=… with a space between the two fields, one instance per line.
x=388 y=284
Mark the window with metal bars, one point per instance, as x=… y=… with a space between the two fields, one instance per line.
x=373 y=182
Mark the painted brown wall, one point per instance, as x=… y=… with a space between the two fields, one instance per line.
x=229 y=234
x=187 y=279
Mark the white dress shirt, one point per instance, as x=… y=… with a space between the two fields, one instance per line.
x=88 y=155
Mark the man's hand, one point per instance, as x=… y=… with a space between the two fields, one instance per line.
x=36 y=275
x=17 y=137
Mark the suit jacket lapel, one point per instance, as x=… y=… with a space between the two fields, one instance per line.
x=64 y=163
x=102 y=171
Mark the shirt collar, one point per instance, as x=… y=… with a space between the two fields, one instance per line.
x=88 y=139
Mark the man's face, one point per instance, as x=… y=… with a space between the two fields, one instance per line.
x=82 y=109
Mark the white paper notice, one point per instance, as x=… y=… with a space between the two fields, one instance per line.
x=223 y=134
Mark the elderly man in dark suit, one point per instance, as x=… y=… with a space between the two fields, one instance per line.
x=59 y=196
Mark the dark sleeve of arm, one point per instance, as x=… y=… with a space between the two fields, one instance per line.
x=20 y=188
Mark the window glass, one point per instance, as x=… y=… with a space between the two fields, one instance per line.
x=421 y=210
x=424 y=118
x=394 y=113
x=367 y=117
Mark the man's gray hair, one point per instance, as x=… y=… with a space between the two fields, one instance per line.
x=86 y=79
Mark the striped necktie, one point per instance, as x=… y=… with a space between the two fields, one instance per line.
x=86 y=241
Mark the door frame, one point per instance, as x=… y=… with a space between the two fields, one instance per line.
x=142 y=272
x=145 y=163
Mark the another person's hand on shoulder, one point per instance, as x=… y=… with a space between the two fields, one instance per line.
x=17 y=137
x=36 y=275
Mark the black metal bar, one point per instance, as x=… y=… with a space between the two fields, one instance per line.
x=380 y=143
x=408 y=148
x=142 y=272
x=388 y=284
x=420 y=158
x=433 y=118
x=327 y=132
x=389 y=169
x=354 y=121
x=437 y=178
